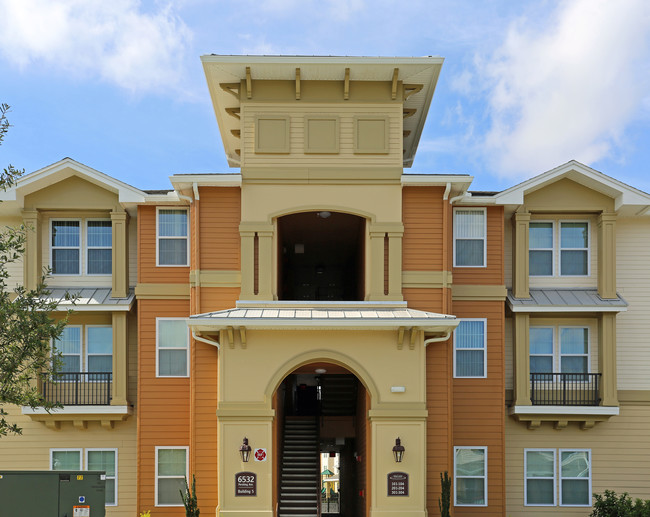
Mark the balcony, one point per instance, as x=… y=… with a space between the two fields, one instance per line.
x=565 y=389
x=79 y=388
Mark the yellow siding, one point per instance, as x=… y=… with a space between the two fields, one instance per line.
x=620 y=450
x=633 y=284
x=297 y=156
x=15 y=269
x=31 y=451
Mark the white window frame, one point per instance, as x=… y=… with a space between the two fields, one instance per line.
x=560 y=248
x=554 y=269
x=85 y=346
x=484 y=376
x=88 y=247
x=561 y=478
x=107 y=476
x=559 y=346
x=66 y=449
x=80 y=247
x=158 y=348
x=157 y=477
x=81 y=354
x=186 y=238
x=485 y=477
x=526 y=478
x=471 y=209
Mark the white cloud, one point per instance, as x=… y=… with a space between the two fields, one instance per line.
x=111 y=39
x=567 y=90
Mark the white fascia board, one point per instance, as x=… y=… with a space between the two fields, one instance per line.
x=95 y=308
x=565 y=410
x=438 y=180
x=556 y=309
x=206 y=180
x=476 y=200
x=321 y=60
x=171 y=197
x=79 y=410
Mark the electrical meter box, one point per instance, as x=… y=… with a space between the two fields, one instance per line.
x=58 y=493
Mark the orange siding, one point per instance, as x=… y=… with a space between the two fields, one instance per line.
x=148 y=272
x=422 y=215
x=219 y=231
x=163 y=404
x=478 y=405
x=493 y=273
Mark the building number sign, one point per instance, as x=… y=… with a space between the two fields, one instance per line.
x=245 y=484
x=398 y=484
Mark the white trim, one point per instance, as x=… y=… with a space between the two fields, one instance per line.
x=67 y=449
x=565 y=410
x=206 y=180
x=414 y=179
x=80 y=247
x=79 y=410
x=87 y=347
x=484 y=239
x=156 y=477
x=88 y=247
x=570 y=308
x=554 y=503
x=560 y=477
x=186 y=238
x=115 y=477
x=187 y=350
x=484 y=376
x=551 y=249
x=485 y=476
x=560 y=249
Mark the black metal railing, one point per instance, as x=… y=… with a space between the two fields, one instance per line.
x=79 y=388
x=565 y=389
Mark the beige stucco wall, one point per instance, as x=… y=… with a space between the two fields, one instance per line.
x=620 y=451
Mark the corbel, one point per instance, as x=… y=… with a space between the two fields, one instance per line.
x=534 y=424
x=234 y=112
x=231 y=88
x=393 y=91
x=242 y=336
x=406 y=132
x=236 y=133
x=587 y=424
x=107 y=424
x=414 y=335
x=400 y=338
x=54 y=425
x=80 y=424
x=346 y=85
x=409 y=112
x=238 y=152
x=297 y=84
x=249 y=83
x=411 y=89
x=231 y=337
x=561 y=424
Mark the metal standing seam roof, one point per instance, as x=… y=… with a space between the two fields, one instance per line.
x=550 y=299
x=90 y=299
x=302 y=317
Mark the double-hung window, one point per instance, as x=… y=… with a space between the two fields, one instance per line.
x=566 y=253
x=69 y=244
x=470 y=348
x=173 y=346
x=91 y=351
x=470 y=230
x=470 y=476
x=171 y=472
x=544 y=478
x=566 y=353
x=95 y=459
x=172 y=231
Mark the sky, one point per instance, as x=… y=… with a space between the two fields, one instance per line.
x=526 y=86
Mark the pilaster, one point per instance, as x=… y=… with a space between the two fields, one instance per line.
x=607 y=255
x=32 y=267
x=521 y=338
x=607 y=359
x=120 y=363
x=120 y=254
x=521 y=223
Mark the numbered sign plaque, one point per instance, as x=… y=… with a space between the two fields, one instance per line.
x=398 y=484
x=245 y=484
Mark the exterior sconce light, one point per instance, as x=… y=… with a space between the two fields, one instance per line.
x=398 y=451
x=245 y=451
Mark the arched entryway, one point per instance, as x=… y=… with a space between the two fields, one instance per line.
x=322 y=439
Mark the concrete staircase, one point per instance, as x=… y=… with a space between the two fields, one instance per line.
x=300 y=470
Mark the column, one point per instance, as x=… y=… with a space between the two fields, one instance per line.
x=247 y=262
x=521 y=221
x=32 y=256
x=607 y=359
x=607 y=255
x=521 y=347
x=120 y=254
x=120 y=362
x=395 y=265
x=376 y=263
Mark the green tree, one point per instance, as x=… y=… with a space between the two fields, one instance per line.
x=26 y=327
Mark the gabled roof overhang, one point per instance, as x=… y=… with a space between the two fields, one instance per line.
x=225 y=73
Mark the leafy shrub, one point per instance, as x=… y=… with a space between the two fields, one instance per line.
x=611 y=505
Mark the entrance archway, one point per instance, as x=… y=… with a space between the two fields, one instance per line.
x=322 y=439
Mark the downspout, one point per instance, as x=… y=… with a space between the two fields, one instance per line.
x=445 y=246
x=210 y=342
x=438 y=339
x=461 y=196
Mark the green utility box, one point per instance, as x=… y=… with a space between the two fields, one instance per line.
x=58 y=493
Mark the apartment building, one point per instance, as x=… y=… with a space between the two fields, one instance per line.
x=322 y=300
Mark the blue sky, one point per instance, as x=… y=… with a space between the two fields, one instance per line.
x=526 y=85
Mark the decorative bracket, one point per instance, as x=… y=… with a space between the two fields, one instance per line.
x=346 y=85
x=412 y=89
x=393 y=91
x=249 y=83
x=231 y=88
x=297 y=84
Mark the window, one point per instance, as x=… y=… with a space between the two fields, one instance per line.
x=97 y=349
x=172 y=237
x=470 y=476
x=569 y=355
x=172 y=344
x=65 y=459
x=469 y=237
x=575 y=477
x=96 y=459
x=572 y=248
x=470 y=346
x=539 y=471
x=105 y=460
x=171 y=471
x=541 y=474
x=67 y=243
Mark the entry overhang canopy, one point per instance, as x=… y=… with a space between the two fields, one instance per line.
x=293 y=315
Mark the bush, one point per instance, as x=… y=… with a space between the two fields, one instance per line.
x=611 y=505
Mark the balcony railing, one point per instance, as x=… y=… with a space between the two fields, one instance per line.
x=79 y=388
x=565 y=389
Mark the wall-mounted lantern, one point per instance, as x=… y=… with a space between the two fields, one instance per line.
x=245 y=451
x=398 y=451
